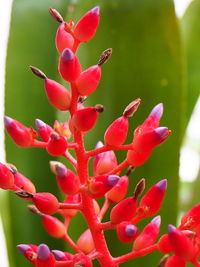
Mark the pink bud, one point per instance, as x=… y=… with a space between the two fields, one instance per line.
x=57 y=145
x=63 y=38
x=85 y=242
x=118 y=192
x=6 y=177
x=44 y=130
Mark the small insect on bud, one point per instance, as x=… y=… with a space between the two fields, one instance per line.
x=62 y=256
x=44 y=130
x=191 y=219
x=99 y=185
x=53 y=226
x=57 y=145
x=126 y=209
x=174 y=261
x=44 y=257
x=6 y=177
x=85 y=242
x=20 y=134
x=63 y=38
x=104 y=162
x=28 y=251
x=126 y=232
x=69 y=66
x=118 y=192
x=82 y=260
x=85 y=119
x=148 y=235
x=164 y=244
x=152 y=200
x=68 y=182
x=181 y=244
x=86 y=27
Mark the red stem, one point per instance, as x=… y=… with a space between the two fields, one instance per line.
x=37 y=143
x=70 y=158
x=104 y=208
x=70 y=206
x=106 y=225
x=71 y=243
x=120 y=167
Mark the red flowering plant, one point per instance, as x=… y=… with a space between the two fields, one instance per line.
x=81 y=188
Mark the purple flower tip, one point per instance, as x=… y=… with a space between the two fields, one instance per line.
x=162 y=184
x=7 y=120
x=67 y=54
x=99 y=144
x=163 y=132
x=96 y=10
x=59 y=255
x=39 y=124
x=61 y=170
x=171 y=228
x=112 y=180
x=130 y=230
x=157 y=111
x=157 y=221
x=43 y=252
x=23 y=248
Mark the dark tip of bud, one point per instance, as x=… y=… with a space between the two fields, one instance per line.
x=39 y=124
x=163 y=132
x=156 y=221
x=43 y=252
x=157 y=111
x=162 y=184
x=67 y=55
x=7 y=121
x=130 y=170
x=99 y=108
x=56 y=15
x=95 y=10
x=33 y=209
x=82 y=99
x=105 y=56
x=54 y=136
x=112 y=180
x=38 y=72
x=140 y=186
x=130 y=230
x=24 y=194
x=131 y=108
x=163 y=260
x=58 y=254
x=23 y=248
x=61 y=170
x=11 y=168
x=171 y=228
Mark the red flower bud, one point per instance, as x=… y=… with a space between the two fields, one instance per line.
x=152 y=200
x=88 y=80
x=164 y=245
x=28 y=251
x=56 y=145
x=53 y=226
x=44 y=257
x=118 y=192
x=63 y=38
x=62 y=256
x=20 y=134
x=135 y=158
x=191 y=219
x=44 y=130
x=85 y=119
x=148 y=235
x=45 y=202
x=104 y=162
x=99 y=185
x=74 y=199
x=6 y=177
x=181 y=244
x=85 y=242
x=175 y=261
x=23 y=182
x=126 y=232
x=81 y=260
x=86 y=27
x=116 y=133
x=68 y=182
x=69 y=66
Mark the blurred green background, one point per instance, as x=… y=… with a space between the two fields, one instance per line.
x=155 y=57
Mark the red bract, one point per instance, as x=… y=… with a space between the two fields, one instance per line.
x=6 y=177
x=86 y=27
x=57 y=145
x=53 y=226
x=85 y=242
x=63 y=38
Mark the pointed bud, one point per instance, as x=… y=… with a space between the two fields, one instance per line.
x=116 y=133
x=6 y=177
x=63 y=38
x=23 y=182
x=57 y=145
x=104 y=162
x=131 y=108
x=152 y=200
x=86 y=27
x=56 y=15
x=126 y=232
x=174 y=261
x=85 y=242
x=23 y=248
x=164 y=245
x=69 y=66
x=53 y=226
x=44 y=257
x=182 y=246
x=20 y=134
x=62 y=256
x=157 y=111
x=44 y=130
x=74 y=199
x=118 y=192
x=99 y=185
x=191 y=219
x=28 y=251
x=135 y=158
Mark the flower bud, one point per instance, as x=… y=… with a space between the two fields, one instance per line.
x=63 y=38
x=69 y=66
x=53 y=226
x=104 y=162
x=62 y=256
x=126 y=232
x=20 y=134
x=148 y=235
x=99 y=185
x=152 y=200
x=88 y=80
x=86 y=27
x=57 y=145
x=191 y=219
x=44 y=257
x=118 y=192
x=85 y=242
x=74 y=199
x=164 y=245
x=116 y=133
x=174 y=261
x=28 y=251
x=135 y=158
x=6 y=177
x=44 y=130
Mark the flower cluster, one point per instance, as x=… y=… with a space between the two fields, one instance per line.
x=81 y=188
